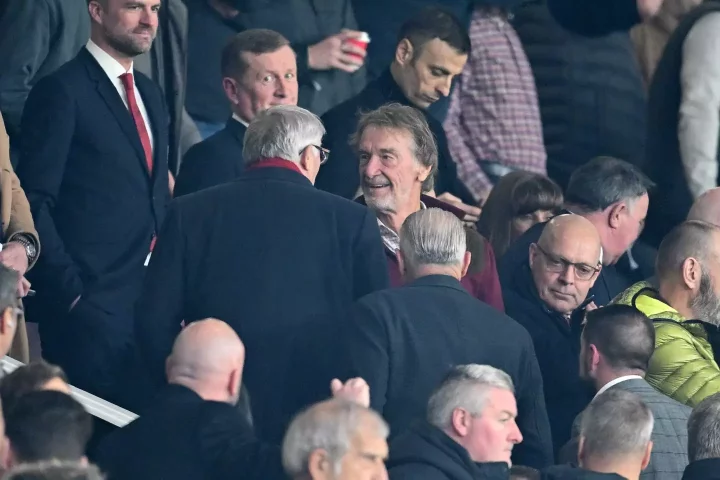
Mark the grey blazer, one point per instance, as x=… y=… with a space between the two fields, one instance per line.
x=669 y=454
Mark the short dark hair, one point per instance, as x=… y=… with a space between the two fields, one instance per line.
x=48 y=424
x=689 y=239
x=603 y=181
x=433 y=22
x=256 y=41
x=517 y=193
x=27 y=378
x=54 y=470
x=624 y=335
x=520 y=472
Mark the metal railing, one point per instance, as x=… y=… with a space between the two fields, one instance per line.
x=96 y=406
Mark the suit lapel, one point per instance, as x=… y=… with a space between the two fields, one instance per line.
x=112 y=99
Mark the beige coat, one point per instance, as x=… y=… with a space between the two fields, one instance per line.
x=16 y=218
x=650 y=37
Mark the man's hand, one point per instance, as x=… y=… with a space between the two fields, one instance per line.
x=354 y=390
x=472 y=214
x=648 y=8
x=335 y=52
x=14 y=255
x=23 y=287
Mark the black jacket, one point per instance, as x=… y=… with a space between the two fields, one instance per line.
x=566 y=472
x=425 y=452
x=428 y=326
x=708 y=469
x=670 y=202
x=341 y=174
x=36 y=38
x=213 y=161
x=184 y=437
x=608 y=285
x=590 y=90
x=557 y=345
x=271 y=256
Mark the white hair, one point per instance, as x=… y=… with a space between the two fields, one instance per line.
x=466 y=387
x=617 y=423
x=329 y=426
x=282 y=131
x=432 y=237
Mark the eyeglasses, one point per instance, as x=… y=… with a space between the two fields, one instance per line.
x=556 y=264
x=324 y=154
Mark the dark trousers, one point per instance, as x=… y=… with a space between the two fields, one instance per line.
x=92 y=343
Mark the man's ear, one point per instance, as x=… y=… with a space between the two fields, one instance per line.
x=615 y=214
x=234 y=383
x=404 y=52
x=467 y=258
x=648 y=452
x=306 y=159
x=595 y=355
x=532 y=254
x=230 y=88
x=319 y=465
x=691 y=273
x=581 y=451
x=423 y=173
x=461 y=420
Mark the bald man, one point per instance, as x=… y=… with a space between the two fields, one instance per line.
x=549 y=297
x=707 y=207
x=193 y=430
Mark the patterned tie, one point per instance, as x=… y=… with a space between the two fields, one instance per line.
x=127 y=80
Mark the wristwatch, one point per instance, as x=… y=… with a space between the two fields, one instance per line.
x=29 y=244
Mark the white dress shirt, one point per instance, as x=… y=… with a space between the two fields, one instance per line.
x=240 y=120
x=113 y=69
x=612 y=383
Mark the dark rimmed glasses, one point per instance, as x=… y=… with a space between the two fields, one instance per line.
x=556 y=264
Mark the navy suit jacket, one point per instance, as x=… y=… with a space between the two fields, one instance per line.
x=213 y=161
x=84 y=172
x=273 y=257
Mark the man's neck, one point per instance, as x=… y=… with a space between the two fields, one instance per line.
x=200 y=388
x=427 y=270
x=395 y=220
x=396 y=73
x=677 y=298
x=604 y=377
x=122 y=59
x=629 y=469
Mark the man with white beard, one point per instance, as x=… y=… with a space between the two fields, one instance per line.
x=685 y=310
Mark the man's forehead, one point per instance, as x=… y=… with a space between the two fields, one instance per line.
x=378 y=137
x=574 y=249
x=282 y=58
x=440 y=54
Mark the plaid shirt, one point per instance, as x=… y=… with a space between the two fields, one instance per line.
x=494 y=114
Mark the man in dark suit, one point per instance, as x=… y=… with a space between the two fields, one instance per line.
x=613 y=195
x=94 y=168
x=616 y=346
x=435 y=322
x=432 y=50
x=275 y=270
x=549 y=297
x=36 y=38
x=259 y=71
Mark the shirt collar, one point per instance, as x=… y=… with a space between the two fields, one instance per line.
x=390 y=237
x=110 y=66
x=612 y=383
x=239 y=120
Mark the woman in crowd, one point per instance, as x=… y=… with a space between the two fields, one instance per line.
x=516 y=203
